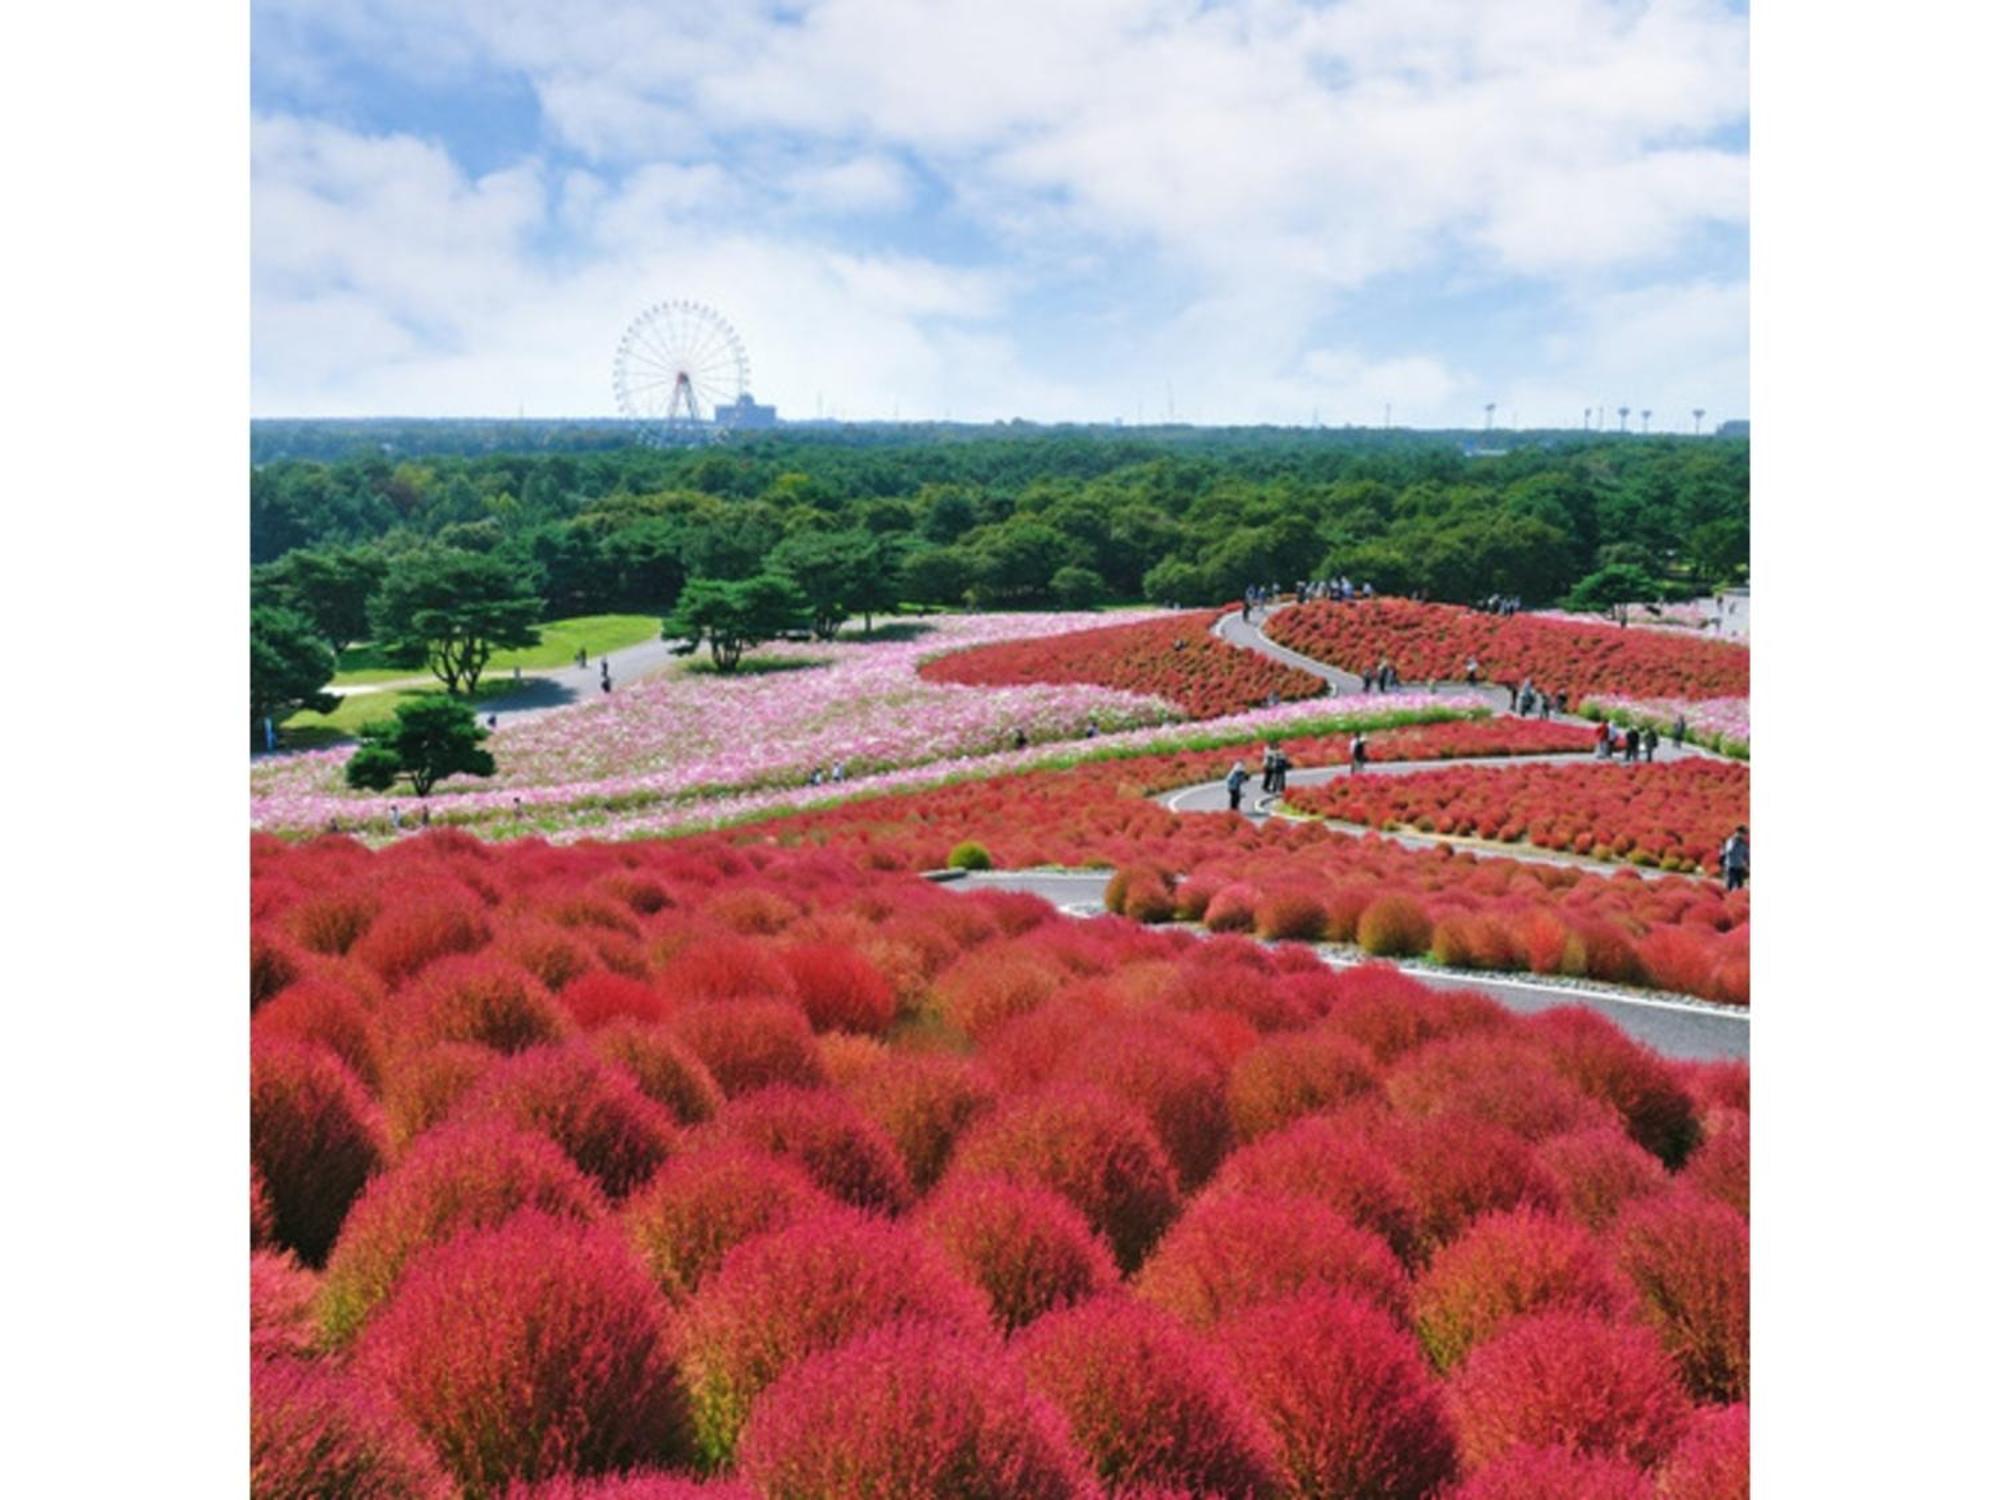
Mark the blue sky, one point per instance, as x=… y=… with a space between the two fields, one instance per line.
x=1054 y=209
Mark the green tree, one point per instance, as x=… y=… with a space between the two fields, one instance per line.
x=936 y=575
x=1611 y=590
x=825 y=566
x=876 y=588
x=452 y=610
x=736 y=615
x=429 y=739
x=1077 y=588
x=290 y=666
x=330 y=586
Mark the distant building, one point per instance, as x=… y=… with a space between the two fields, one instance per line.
x=745 y=412
x=1740 y=428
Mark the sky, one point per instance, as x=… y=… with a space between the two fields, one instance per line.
x=1218 y=211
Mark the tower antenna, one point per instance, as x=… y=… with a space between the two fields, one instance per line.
x=1489 y=414
x=1623 y=412
x=1646 y=420
x=1699 y=413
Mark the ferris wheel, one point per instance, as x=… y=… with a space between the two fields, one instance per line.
x=678 y=366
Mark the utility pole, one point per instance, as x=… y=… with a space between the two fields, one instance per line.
x=1699 y=413
x=1623 y=412
x=1489 y=414
x=1646 y=421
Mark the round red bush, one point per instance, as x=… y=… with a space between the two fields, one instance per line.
x=1346 y=1394
x=987 y=988
x=282 y=1293
x=263 y=1217
x=703 y=1205
x=909 y=1410
x=796 y=1291
x=598 y=997
x=1599 y=1171
x=319 y=1011
x=1689 y=1258
x=422 y=1085
x=1608 y=1065
x=1177 y=1086
x=839 y=989
x=1293 y=1075
x=315 y=1138
x=1458 y=1168
x=274 y=963
x=1573 y=1381
x=1096 y=1152
x=1148 y=1403
x=841 y=1149
x=480 y=999
x=331 y=920
x=925 y=1101
x=747 y=1045
x=1024 y=1246
x=666 y=1070
x=1390 y=1013
x=316 y=1431
x=529 y=1349
x=1291 y=916
x=592 y=1110
x=1232 y=909
x=1232 y=1251
x=1492 y=1076
x=1505 y=1265
x=1713 y=1460
x=550 y=953
x=1394 y=926
x=454 y=1178
x=1314 y=1158
x=1720 y=1166
x=637 y=1485
x=1555 y=1474
x=420 y=923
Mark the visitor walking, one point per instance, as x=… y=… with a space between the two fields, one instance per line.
x=1368 y=681
x=840 y=770
x=1279 y=767
x=1680 y=730
x=1562 y=701
x=1234 y=781
x=1603 y=748
x=1652 y=743
x=1472 y=671
x=1357 y=755
x=1736 y=859
x=395 y=818
x=1631 y=747
x=1020 y=739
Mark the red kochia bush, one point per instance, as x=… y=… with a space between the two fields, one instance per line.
x=419 y=924
x=1458 y=1168
x=1689 y=1257
x=1291 y=916
x=1507 y=1264
x=1555 y=1474
x=1095 y=1151
x=1315 y=1159
x=454 y=1178
x=808 y=1287
x=1721 y=1166
x=666 y=1071
x=1346 y=1394
x=600 y=997
x=1608 y=1065
x=925 y=1101
x=840 y=1148
x=1569 y=1380
x=317 y=1010
x=1389 y=1013
x=1493 y=1076
x=421 y=1086
x=529 y=1349
x=316 y=1431
x=592 y=1110
x=1148 y=1403
x=703 y=1205
x=274 y=963
x=985 y=989
x=315 y=1136
x=839 y=989
x=1024 y=1246
x=281 y=1306
x=480 y=999
x=747 y=1045
x=909 y=1410
x=1176 y=1085
x=1290 y=1076
x=1713 y=1460
x=638 y=1485
x=1229 y=1252
x=1598 y=1171
x=1393 y=926
x=263 y=1217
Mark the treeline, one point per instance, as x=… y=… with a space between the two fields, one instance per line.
x=1033 y=518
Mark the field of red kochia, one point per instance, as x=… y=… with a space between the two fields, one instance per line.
x=1431 y=642
x=1674 y=816
x=1174 y=657
x=696 y=1168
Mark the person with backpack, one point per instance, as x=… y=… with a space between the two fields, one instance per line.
x=1234 y=781
x=1736 y=859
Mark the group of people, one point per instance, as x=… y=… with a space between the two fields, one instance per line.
x=1613 y=742
x=1305 y=590
x=819 y=776
x=1275 y=766
x=1500 y=604
x=1530 y=701
x=1381 y=677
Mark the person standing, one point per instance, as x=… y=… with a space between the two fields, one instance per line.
x=1357 y=755
x=1680 y=730
x=1652 y=742
x=1736 y=859
x=1603 y=750
x=1234 y=781
x=1368 y=681
x=1562 y=700
x=1269 y=767
x=1632 y=747
x=1279 y=767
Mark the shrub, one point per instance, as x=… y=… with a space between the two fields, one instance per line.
x=1096 y=1152
x=703 y=1205
x=454 y=1178
x=1390 y=1013
x=1149 y=899
x=1458 y=1168
x=528 y=1349
x=281 y=1306
x=1394 y=926
x=599 y=997
x=332 y=920
x=1229 y=1252
x=1176 y=1086
x=796 y=1291
x=1573 y=1381
x=1147 y=1402
x=1608 y=1065
x=1292 y=916
x=1689 y=1258
x=316 y=1010
x=263 y=1217
x=274 y=963
x=747 y=1045
x=315 y=1137
x=909 y=1410
x=1598 y=1171
x=1507 y=1264
x=595 y=1112
x=1192 y=897
x=1555 y=1474
x=1026 y=1247
x=1346 y=1394
x=925 y=1101
x=1288 y=1077
x=1720 y=1167
x=1231 y=909
x=1497 y=1077
x=969 y=856
x=418 y=925
x=546 y=951
x=841 y=1149
x=423 y=1085
x=1315 y=1159
x=317 y=1432
x=480 y=999
x=1713 y=1460
x=636 y=1485
x=666 y=1070
x=839 y=989
x=985 y=989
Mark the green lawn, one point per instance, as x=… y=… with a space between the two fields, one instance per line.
x=561 y=639
x=308 y=730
